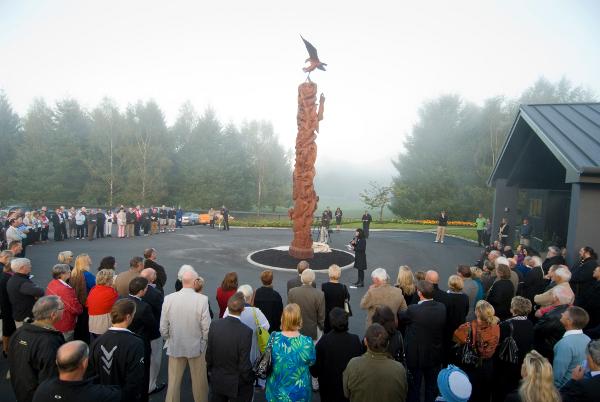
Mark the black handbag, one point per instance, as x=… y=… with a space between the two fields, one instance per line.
x=509 y=351
x=467 y=353
x=263 y=365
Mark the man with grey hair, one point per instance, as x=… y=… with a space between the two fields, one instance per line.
x=22 y=292
x=297 y=281
x=381 y=293
x=72 y=361
x=32 y=348
x=581 y=388
x=553 y=257
x=548 y=330
x=560 y=276
x=533 y=281
x=184 y=325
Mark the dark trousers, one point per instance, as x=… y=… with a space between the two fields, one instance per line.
x=429 y=375
x=366 y=230
x=136 y=229
x=45 y=234
x=63 y=228
x=245 y=394
x=481 y=237
x=226 y=224
x=361 y=276
x=482 y=381
x=57 y=233
x=80 y=232
x=100 y=230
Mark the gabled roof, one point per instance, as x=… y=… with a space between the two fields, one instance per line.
x=570 y=131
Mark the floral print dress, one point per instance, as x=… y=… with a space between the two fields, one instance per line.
x=290 y=379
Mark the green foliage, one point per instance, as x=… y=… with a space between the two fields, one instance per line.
x=376 y=197
x=64 y=154
x=454 y=146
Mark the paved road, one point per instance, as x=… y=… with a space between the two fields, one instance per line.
x=214 y=253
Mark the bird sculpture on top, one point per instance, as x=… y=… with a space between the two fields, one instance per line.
x=313 y=58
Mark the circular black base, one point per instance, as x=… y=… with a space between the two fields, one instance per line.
x=281 y=259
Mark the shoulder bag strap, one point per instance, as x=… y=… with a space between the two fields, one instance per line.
x=255 y=318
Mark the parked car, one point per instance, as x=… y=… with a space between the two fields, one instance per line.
x=189 y=218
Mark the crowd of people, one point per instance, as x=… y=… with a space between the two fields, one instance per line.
x=515 y=328
x=33 y=227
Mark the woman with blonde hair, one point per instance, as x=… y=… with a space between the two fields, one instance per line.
x=82 y=280
x=100 y=301
x=292 y=355
x=406 y=283
x=483 y=334
x=537 y=384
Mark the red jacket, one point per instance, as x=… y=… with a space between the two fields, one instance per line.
x=222 y=298
x=101 y=299
x=72 y=306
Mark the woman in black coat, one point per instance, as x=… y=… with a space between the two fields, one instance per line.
x=501 y=293
x=457 y=308
x=520 y=328
x=269 y=301
x=334 y=350
x=335 y=293
x=359 y=245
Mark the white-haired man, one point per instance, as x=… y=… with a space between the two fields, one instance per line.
x=22 y=292
x=548 y=330
x=560 y=275
x=381 y=292
x=184 y=325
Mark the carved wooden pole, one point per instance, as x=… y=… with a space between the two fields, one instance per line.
x=305 y=198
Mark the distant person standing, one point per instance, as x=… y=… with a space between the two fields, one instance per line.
x=359 y=245
x=503 y=232
x=92 y=219
x=338 y=218
x=525 y=233
x=480 y=223
x=366 y=220
x=441 y=228
x=225 y=214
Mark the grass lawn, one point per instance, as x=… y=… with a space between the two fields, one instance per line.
x=461 y=231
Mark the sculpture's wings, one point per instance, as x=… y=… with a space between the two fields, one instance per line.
x=312 y=51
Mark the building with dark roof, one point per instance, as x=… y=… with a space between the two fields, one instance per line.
x=549 y=172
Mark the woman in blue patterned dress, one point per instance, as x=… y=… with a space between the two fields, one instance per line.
x=292 y=355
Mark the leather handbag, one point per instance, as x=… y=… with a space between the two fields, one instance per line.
x=262 y=336
x=467 y=353
x=509 y=351
x=263 y=365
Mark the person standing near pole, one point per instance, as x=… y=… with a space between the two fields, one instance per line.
x=359 y=244
x=366 y=220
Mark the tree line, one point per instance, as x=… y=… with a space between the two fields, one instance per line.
x=454 y=146
x=63 y=153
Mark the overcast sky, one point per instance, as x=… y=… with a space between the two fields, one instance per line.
x=244 y=58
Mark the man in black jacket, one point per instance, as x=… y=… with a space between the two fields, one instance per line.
x=22 y=292
x=553 y=257
x=117 y=356
x=57 y=221
x=579 y=388
x=32 y=348
x=143 y=324
x=228 y=355
x=424 y=341
x=155 y=299
x=150 y=255
x=533 y=281
x=69 y=386
x=100 y=221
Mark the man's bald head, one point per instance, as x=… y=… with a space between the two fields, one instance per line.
x=148 y=273
x=432 y=277
x=188 y=278
x=72 y=356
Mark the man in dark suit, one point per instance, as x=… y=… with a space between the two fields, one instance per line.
x=57 y=220
x=150 y=255
x=63 y=224
x=143 y=323
x=533 y=281
x=297 y=282
x=424 y=341
x=155 y=299
x=582 y=388
x=228 y=355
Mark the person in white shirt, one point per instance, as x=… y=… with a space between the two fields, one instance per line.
x=184 y=325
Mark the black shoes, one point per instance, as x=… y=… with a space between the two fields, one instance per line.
x=159 y=387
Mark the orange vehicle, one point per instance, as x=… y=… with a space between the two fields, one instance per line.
x=203 y=219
